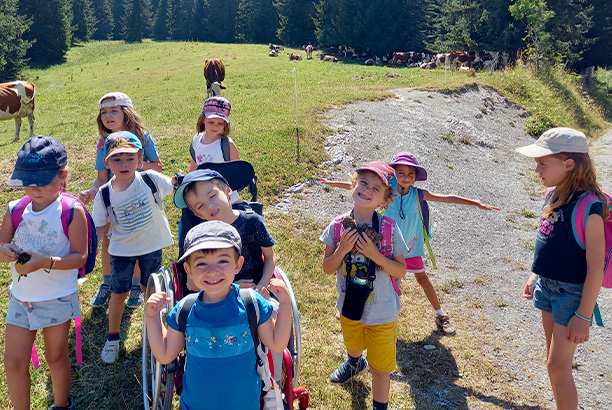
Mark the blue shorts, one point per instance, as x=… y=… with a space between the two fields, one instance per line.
x=38 y=315
x=122 y=270
x=560 y=298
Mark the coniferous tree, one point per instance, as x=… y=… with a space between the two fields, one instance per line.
x=103 y=12
x=180 y=13
x=160 y=26
x=83 y=21
x=118 y=13
x=222 y=21
x=326 y=15
x=569 y=27
x=200 y=20
x=256 y=21
x=600 y=52
x=297 y=21
x=13 y=47
x=136 y=20
x=50 y=29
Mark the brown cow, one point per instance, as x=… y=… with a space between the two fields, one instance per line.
x=294 y=56
x=17 y=101
x=399 y=57
x=214 y=73
x=327 y=57
x=308 y=50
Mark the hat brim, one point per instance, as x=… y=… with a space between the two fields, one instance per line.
x=122 y=150
x=216 y=115
x=216 y=244
x=179 y=199
x=534 y=151
x=421 y=172
x=238 y=173
x=40 y=177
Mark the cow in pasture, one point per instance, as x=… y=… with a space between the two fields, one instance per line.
x=275 y=47
x=327 y=57
x=308 y=49
x=273 y=53
x=400 y=57
x=17 y=101
x=214 y=73
x=294 y=56
x=369 y=61
x=461 y=58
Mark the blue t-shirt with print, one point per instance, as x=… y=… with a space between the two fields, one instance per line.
x=404 y=209
x=149 y=154
x=220 y=370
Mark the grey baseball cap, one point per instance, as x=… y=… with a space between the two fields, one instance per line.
x=211 y=235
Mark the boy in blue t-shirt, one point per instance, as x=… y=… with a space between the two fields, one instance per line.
x=220 y=351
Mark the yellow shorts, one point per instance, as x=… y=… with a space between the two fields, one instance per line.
x=379 y=340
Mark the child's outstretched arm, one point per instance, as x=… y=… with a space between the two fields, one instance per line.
x=90 y=194
x=165 y=344
x=332 y=258
x=268 y=267
x=578 y=328
x=275 y=334
x=456 y=199
x=335 y=184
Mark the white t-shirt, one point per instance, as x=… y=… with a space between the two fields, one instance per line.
x=42 y=232
x=141 y=226
x=210 y=153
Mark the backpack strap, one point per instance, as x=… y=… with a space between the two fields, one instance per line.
x=424 y=212
x=105 y=193
x=252 y=309
x=192 y=152
x=249 y=240
x=17 y=211
x=183 y=311
x=225 y=148
x=580 y=214
x=386 y=247
x=147 y=180
x=338 y=228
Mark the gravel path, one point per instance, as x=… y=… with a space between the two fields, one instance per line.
x=466 y=141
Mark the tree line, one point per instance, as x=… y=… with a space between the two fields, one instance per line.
x=576 y=32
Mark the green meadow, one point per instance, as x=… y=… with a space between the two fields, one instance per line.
x=166 y=83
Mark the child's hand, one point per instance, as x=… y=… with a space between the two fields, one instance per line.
x=245 y=283
x=488 y=207
x=529 y=285
x=348 y=240
x=8 y=252
x=88 y=196
x=155 y=304
x=366 y=247
x=577 y=330
x=279 y=289
x=36 y=262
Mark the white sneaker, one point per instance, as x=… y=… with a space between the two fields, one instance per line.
x=110 y=351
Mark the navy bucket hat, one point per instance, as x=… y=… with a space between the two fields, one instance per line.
x=38 y=162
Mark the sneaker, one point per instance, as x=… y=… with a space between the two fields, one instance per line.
x=101 y=296
x=70 y=406
x=110 y=351
x=444 y=324
x=136 y=297
x=346 y=372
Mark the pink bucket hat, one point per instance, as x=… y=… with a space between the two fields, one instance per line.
x=217 y=107
x=382 y=169
x=408 y=158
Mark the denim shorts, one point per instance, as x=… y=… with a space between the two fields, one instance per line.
x=38 y=315
x=122 y=270
x=560 y=298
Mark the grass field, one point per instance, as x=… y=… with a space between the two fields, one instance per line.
x=166 y=84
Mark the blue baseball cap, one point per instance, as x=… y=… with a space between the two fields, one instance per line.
x=194 y=176
x=121 y=141
x=38 y=162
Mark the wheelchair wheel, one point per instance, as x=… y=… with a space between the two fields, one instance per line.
x=157 y=379
x=295 y=339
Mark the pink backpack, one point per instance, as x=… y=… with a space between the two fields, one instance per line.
x=579 y=220
x=386 y=245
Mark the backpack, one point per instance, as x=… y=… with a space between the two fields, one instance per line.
x=579 y=220
x=386 y=244
x=68 y=203
x=105 y=192
x=225 y=149
x=261 y=351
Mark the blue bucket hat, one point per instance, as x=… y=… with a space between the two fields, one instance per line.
x=38 y=162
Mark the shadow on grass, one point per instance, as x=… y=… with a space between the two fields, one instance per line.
x=432 y=376
x=359 y=392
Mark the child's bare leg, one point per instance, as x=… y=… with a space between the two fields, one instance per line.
x=548 y=324
x=560 y=359
x=381 y=383
x=354 y=353
x=430 y=292
x=115 y=311
x=17 y=349
x=56 y=354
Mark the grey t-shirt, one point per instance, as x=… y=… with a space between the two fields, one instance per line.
x=383 y=304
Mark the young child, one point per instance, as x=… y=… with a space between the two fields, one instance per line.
x=566 y=278
x=139 y=229
x=404 y=208
x=117 y=114
x=44 y=290
x=366 y=296
x=219 y=371
x=207 y=194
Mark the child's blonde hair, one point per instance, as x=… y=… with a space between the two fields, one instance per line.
x=132 y=121
x=582 y=178
x=200 y=126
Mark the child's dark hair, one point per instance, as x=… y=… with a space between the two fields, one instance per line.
x=132 y=121
x=218 y=183
x=200 y=125
x=582 y=178
x=389 y=194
